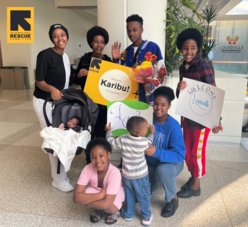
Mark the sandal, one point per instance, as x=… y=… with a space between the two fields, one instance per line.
x=113 y=217
x=97 y=216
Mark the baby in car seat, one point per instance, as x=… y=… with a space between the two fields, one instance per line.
x=72 y=123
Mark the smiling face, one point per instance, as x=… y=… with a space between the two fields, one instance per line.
x=134 y=31
x=189 y=50
x=72 y=123
x=59 y=38
x=161 y=107
x=98 y=44
x=99 y=158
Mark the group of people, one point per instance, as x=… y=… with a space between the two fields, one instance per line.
x=147 y=162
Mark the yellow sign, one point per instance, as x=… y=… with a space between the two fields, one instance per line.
x=108 y=82
x=20 y=24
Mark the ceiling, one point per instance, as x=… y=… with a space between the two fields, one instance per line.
x=89 y=13
x=223 y=7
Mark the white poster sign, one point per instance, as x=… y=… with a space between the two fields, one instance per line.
x=120 y=111
x=201 y=102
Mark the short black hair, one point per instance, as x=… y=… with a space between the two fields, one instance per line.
x=190 y=33
x=134 y=123
x=98 y=142
x=166 y=92
x=135 y=17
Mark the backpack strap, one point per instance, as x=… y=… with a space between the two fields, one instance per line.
x=137 y=51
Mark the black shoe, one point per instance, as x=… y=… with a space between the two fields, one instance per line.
x=170 y=208
x=187 y=183
x=189 y=192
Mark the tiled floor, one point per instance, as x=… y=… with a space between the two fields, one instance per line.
x=27 y=198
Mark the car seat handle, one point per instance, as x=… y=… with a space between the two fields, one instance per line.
x=69 y=97
x=44 y=111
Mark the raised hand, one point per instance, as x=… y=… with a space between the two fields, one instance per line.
x=152 y=129
x=116 y=53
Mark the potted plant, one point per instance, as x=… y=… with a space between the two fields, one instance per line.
x=209 y=15
x=180 y=16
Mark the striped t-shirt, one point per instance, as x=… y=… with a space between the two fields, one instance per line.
x=134 y=164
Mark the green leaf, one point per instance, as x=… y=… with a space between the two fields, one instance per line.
x=174 y=40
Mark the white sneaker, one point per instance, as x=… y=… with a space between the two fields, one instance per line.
x=67 y=180
x=62 y=185
x=147 y=222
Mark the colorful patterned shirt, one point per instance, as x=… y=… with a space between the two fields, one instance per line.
x=149 y=51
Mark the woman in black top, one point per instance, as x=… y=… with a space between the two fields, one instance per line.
x=52 y=76
x=97 y=38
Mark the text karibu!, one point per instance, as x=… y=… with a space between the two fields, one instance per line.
x=114 y=85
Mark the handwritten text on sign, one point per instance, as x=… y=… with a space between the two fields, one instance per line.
x=119 y=112
x=201 y=103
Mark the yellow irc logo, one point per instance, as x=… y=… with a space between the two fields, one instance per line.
x=20 y=24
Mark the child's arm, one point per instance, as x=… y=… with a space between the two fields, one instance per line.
x=80 y=196
x=105 y=203
x=115 y=143
x=150 y=137
x=113 y=188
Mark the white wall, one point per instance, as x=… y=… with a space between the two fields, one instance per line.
x=46 y=14
x=13 y=54
x=153 y=14
x=112 y=16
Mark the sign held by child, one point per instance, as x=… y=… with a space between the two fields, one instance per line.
x=120 y=111
x=201 y=103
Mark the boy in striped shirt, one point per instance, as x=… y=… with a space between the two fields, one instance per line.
x=134 y=166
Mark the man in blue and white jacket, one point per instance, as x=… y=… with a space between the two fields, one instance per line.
x=146 y=50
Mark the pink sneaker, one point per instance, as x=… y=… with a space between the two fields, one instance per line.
x=147 y=222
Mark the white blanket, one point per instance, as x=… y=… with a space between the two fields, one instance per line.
x=64 y=143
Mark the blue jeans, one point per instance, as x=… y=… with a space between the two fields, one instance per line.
x=165 y=174
x=139 y=190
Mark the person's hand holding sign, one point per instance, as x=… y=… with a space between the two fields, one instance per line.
x=108 y=127
x=181 y=85
x=147 y=86
x=82 y=72
x=116 y=54
x=216 y=129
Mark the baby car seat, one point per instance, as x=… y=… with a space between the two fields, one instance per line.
x=73 y=103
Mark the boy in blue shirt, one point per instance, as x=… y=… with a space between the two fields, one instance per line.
x=165 y=157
